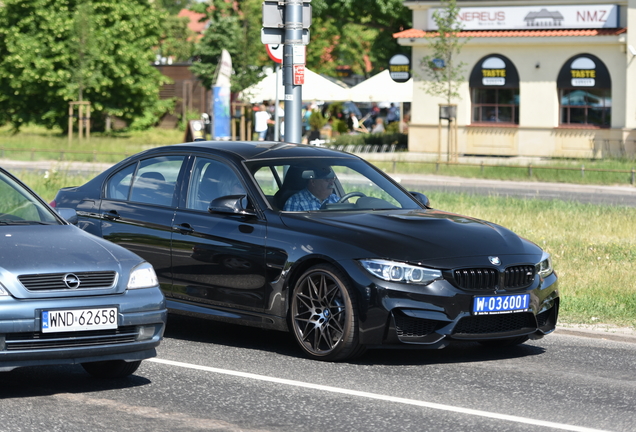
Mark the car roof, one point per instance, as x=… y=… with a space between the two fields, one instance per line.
x=255 y=150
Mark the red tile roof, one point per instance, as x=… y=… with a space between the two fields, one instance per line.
x=414 y=33
x=195 y=24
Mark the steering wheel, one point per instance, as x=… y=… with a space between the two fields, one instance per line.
x=350 y=195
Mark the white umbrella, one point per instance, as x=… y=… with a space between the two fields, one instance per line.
x=315 y=87
x=382 y=88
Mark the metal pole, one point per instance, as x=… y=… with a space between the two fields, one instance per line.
x=293 y=93
x=276 y=116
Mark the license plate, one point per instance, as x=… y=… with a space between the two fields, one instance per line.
x=79 y=320
x=501 y=304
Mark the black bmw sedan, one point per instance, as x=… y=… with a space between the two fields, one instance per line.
x=317 y=242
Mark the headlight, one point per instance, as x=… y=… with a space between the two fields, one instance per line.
x=3 y=291
x=544 y=268
x=399 y=272
x=143 y=276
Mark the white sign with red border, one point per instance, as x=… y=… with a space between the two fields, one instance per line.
x=275 y=52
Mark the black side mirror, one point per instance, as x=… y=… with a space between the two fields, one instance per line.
x=231 y=204
x=423 y=199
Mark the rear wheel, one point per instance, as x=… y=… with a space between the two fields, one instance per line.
x=111 y=368
x=324 y=315
x=503 y=343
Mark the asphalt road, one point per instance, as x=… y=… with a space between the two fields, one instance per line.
x=602 y=195
x=213 y=376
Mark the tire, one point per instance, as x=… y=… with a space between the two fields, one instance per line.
x=324 y=315
x=111 y=368
x=503 y=343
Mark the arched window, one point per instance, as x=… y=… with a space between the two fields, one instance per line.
x=585 y=92
x=494 y=91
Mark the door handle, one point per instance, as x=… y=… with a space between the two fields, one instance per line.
x=111 y=215
x=183 y=228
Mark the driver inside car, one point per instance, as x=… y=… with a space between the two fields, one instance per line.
x=318 y=192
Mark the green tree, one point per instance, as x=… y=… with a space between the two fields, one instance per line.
x=238 y=31
x=360 y=33
x=445 y=72
x=177 y=41
x=47 y=59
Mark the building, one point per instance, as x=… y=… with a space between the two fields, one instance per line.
x=546 y=78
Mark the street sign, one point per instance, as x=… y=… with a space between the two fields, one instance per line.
x=299 y=74
x=275 y=52
x=275 y=36
x=274 y=14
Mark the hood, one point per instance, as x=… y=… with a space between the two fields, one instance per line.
x=413 y=235
x=28 y=249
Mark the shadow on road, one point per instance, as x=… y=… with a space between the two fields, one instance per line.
x=52 y=380
x=237 y=336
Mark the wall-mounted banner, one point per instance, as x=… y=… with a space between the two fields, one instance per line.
x=494 y=70
x=534 y=17
x=584 y=70
x=400 y=68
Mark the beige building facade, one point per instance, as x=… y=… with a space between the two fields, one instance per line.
x=543 y=78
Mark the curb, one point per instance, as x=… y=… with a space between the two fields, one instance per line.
x=616 y=334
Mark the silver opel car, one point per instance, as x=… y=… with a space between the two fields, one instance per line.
x=68 y=297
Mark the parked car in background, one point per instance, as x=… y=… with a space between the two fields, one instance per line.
x=227 y=228
x=67 y=296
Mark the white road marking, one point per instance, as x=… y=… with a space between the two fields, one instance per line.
x=367 y=395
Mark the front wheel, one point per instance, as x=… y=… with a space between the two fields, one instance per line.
x=111 y=368
x=324 y=315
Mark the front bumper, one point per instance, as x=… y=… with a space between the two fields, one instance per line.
x=141 y=321
x=432 y=316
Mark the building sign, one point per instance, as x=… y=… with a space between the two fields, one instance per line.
x=584 y=71
x=534 y=17
x=494 y=71
x=400 y=68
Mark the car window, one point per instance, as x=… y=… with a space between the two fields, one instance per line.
x=18 y=205
x=118 y=186
x=151 y=181
x=211 y=179
x=353 y=184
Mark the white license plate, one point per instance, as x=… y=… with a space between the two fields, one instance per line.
x=501 y=304
x=79 y=320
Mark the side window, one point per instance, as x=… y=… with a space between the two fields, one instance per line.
x=118 y=186
x=155 y=180
x=211 y=179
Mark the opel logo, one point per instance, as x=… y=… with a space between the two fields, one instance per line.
x=71 y=281
x=494 y=260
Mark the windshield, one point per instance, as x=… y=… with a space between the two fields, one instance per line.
x=327 y=184
x=18 y=206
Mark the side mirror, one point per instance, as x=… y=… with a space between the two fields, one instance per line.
x=231 y=204
x=421 y=198
x=68 y=214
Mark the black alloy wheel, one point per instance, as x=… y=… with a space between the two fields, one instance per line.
x=324 y=315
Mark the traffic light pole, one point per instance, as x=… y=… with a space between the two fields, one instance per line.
x=291 y=56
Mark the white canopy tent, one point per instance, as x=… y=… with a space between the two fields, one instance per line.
x=382 y=88
x=315 y=87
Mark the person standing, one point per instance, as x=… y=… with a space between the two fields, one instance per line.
x=261 y=122
x=393 y=114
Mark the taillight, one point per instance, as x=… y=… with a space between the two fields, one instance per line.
x=53 y=204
